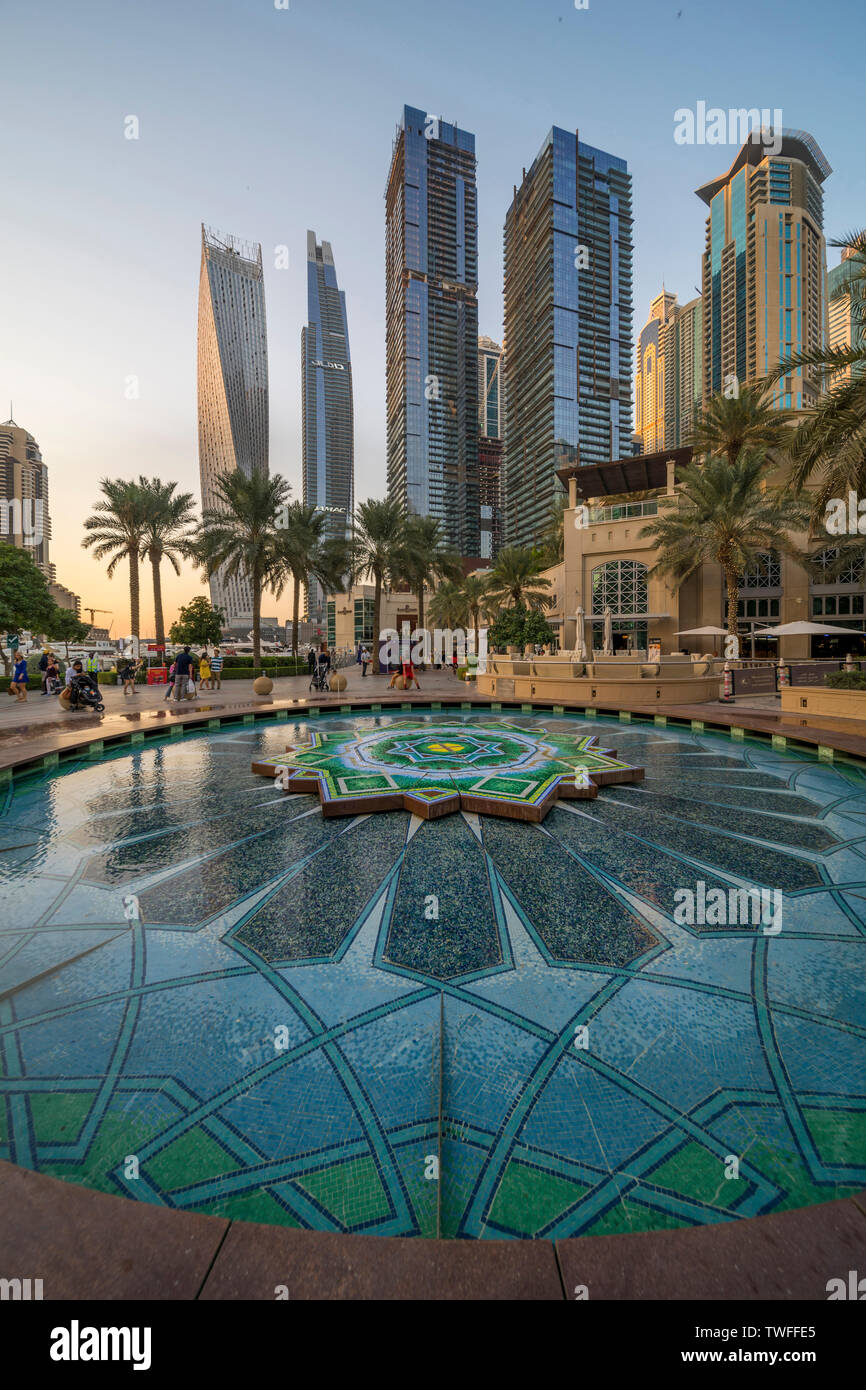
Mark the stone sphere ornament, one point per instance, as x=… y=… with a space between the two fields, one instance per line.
x=338 y=681
x=263 y=685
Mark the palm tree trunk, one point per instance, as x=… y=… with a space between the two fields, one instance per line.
x=158 y=618
x=420 y=597
x=732 y=580
x=295 y=609
x=134 y=618
x=257 y=619
x=377 y=604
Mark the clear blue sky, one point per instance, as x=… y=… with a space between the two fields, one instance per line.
x=265 y=122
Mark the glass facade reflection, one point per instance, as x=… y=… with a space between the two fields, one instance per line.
x=328 y=420
x=232 y=381
x=432 y=325
x=568 y=311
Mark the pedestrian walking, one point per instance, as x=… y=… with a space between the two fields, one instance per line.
x=365 y=660
x=204 y=672
x=18 y=683
x=172 y=674
x=184 y=667
x=216 y=666
x=43 y=667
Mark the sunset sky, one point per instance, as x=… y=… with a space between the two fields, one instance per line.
x=264 y=122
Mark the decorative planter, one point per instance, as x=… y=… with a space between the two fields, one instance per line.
x=263 y=685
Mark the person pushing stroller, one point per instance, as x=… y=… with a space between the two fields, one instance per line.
x=320 y=679
x=83 y=689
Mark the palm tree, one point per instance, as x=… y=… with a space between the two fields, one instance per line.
x=727 y=516
x=832 y=437
x=748 y=420
x=377 y=550
x=459 y=604
x=238 y=536
x=425 y=557
x=308 y=554
x=448 y=606
x=167 y=536
x=515 y=581
x=553 y=540
x=116 y=528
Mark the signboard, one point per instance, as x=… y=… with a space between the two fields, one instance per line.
x=12 y=643
x=654 y=651
x=811 y=672
x=759 y=680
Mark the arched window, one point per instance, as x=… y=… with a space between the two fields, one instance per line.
x=620 y=584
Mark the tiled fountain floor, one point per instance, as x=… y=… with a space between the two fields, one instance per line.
x=282 y=1031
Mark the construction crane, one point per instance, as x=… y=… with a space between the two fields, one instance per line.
x=91 y=611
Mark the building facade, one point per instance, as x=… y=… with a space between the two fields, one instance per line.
x=431 y=275
x=568 y=314
x=608 y=563
x=491 y=416
x=846 y=312
x=25 y=520
x=653 y=351
x=764 y=268
x=328 y=419
x=668 y=378
x=232 y=380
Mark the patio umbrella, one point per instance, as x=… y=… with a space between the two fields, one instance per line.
x=806 y=630
x=608 y=632
x=702 y=632
x=579 y=639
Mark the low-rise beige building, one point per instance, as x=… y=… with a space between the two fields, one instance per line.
x=609 y=564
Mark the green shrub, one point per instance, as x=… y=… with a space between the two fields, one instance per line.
x=106 y=677
x=846 y=680
x=33 y=682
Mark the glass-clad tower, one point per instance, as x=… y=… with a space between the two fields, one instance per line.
x=232 y=380
x=431 y=272
x=328 y=422
x=765 y=268
x=568 y=310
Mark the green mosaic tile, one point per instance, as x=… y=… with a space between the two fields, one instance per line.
x=351 y=1192
x=527 y=1198
x=695 y=1173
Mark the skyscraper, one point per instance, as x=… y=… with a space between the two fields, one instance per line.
x=328 y=422
x=568 y=307
x=491 y=416
x=25 y=520
x=431 y=270
x=845 y=314
x=649 y=381
x=668 y=379
x=491 y=450
x=232 y=380
x=764 y=268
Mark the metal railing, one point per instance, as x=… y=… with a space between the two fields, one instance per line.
x=622 y=512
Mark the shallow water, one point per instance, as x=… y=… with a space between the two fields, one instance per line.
x=214 y=998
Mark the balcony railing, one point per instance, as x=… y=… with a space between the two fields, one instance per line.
x=623 y=512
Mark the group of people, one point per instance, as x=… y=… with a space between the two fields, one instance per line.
x=51 y=674
x=189 y=674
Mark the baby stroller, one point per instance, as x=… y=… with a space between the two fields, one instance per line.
x=84 y=693
x=320 y=677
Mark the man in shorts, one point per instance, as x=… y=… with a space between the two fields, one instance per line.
x=216 y=666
